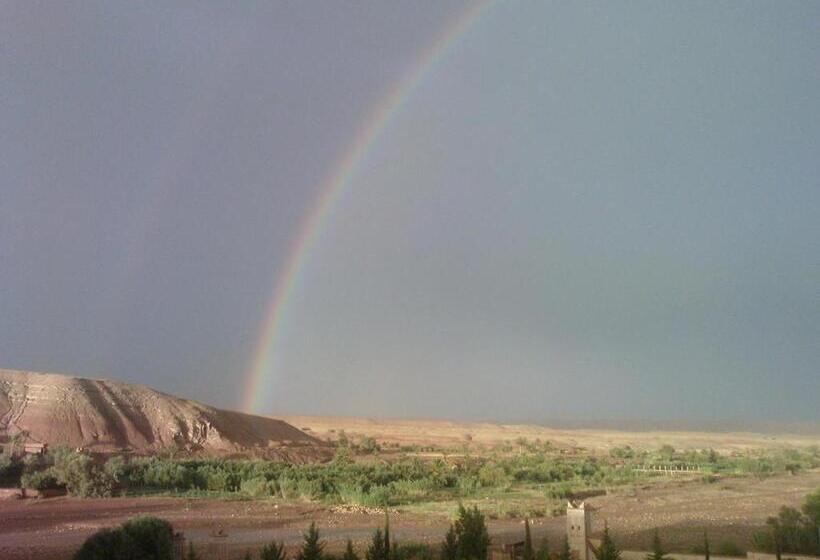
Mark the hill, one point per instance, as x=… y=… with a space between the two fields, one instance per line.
x=105 y=415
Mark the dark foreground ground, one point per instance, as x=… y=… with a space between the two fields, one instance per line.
x=731 y=509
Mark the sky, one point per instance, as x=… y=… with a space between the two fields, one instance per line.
x=581 y=211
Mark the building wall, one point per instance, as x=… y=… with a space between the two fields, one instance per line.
x=579 y=527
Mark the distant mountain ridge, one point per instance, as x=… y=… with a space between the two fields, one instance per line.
x=106 y=415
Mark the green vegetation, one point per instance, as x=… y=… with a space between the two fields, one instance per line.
x=192 y=555
x=531 y=469
x=472 y=537
x=275 y=551
x=141 y=538
x=312 y=547
x=793 y=531
x=607 y=550
x=566 y=552
x=449 y=548
x=707 y=552
x=543 y=549
x=349 y=554
x=377 y=549
x=658 y=552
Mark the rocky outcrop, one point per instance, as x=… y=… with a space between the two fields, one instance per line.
x=105 y=415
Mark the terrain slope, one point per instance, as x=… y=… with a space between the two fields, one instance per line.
x=105 y=415
x=450 y=434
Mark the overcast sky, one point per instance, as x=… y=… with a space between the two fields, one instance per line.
x=586 y=210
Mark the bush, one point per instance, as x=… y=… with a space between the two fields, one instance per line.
x=142 y=538
x=257 y=487
x=467 y=485
x=412 y=551
x=273 y=551
x=493 y=476
x=78 y=473
x=39 y=480
x=471 y=534
x=729 y=548
x=790 y=532
x=10 y=469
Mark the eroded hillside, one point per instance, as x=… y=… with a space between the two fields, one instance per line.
x=106 y=415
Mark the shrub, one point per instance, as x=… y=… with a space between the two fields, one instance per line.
x=790 y=532
x=10 y=468
x=412 y=551
x=105 y=544
x=471 y=534
x=257 y=487
x=377 y=550
x=79 y=474
x=608 y=550
x=312 y=547
x=142 y=538
x=493 y=476
x=273 y=551
x=467 y=485
x=39 y=480
x=288 y=487
x=729 y=548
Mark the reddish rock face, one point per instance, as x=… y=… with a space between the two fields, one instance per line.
x=104 y=415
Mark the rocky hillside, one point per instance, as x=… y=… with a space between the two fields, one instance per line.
x=105 y=415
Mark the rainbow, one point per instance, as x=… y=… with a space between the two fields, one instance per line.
x=266 y=350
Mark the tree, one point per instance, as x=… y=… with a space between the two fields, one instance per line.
x=350 y=554
x=528 y=553
x=792 y=531
x=658 y=553
x=543 y=549
x=706 y=550
x=566 y=552
x=79 y=474
x=607 y=550
x=471 y=533
x=377 y=549
x=312 y=547
x=191 y=554
x=386 y=533
x=811 y=507
x=273 y=551
x=449 y=549
x=666 y=452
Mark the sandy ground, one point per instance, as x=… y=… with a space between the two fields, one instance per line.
x=455 y=434
x=731 y=509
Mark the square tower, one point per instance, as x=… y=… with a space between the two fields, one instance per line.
x=579 y=527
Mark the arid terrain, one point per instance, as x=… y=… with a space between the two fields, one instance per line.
x=110 y=416
x=748 y=478
x=731 y=510
x=448 y=434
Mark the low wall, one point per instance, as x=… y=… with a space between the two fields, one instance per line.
x=642 y=554
x=785 y=556
x=18 y=493
x=10 y=493
x=47 y=493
